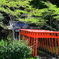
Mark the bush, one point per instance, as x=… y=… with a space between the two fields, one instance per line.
x=16 y=49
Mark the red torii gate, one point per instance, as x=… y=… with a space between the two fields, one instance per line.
x=45 y=39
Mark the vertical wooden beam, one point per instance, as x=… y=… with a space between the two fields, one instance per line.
x=36 y=47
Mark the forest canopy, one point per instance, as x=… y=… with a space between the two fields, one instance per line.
x=44 y=13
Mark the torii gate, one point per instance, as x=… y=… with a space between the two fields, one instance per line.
x=46 y=39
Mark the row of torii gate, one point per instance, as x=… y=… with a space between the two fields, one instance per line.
x=38 y=38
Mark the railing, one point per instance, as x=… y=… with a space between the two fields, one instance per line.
x=46 y=39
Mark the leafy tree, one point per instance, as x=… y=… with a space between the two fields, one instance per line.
x=51 y=14
x=40 y=12
x=16 y=8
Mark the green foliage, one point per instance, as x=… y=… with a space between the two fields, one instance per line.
x=38 y=12
x=52 y=10
x=6 y=4
x=28 y=9
x=16 y=49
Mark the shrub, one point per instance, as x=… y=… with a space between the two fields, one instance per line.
x=16 y=49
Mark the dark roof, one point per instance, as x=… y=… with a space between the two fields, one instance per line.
x=20 y=24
